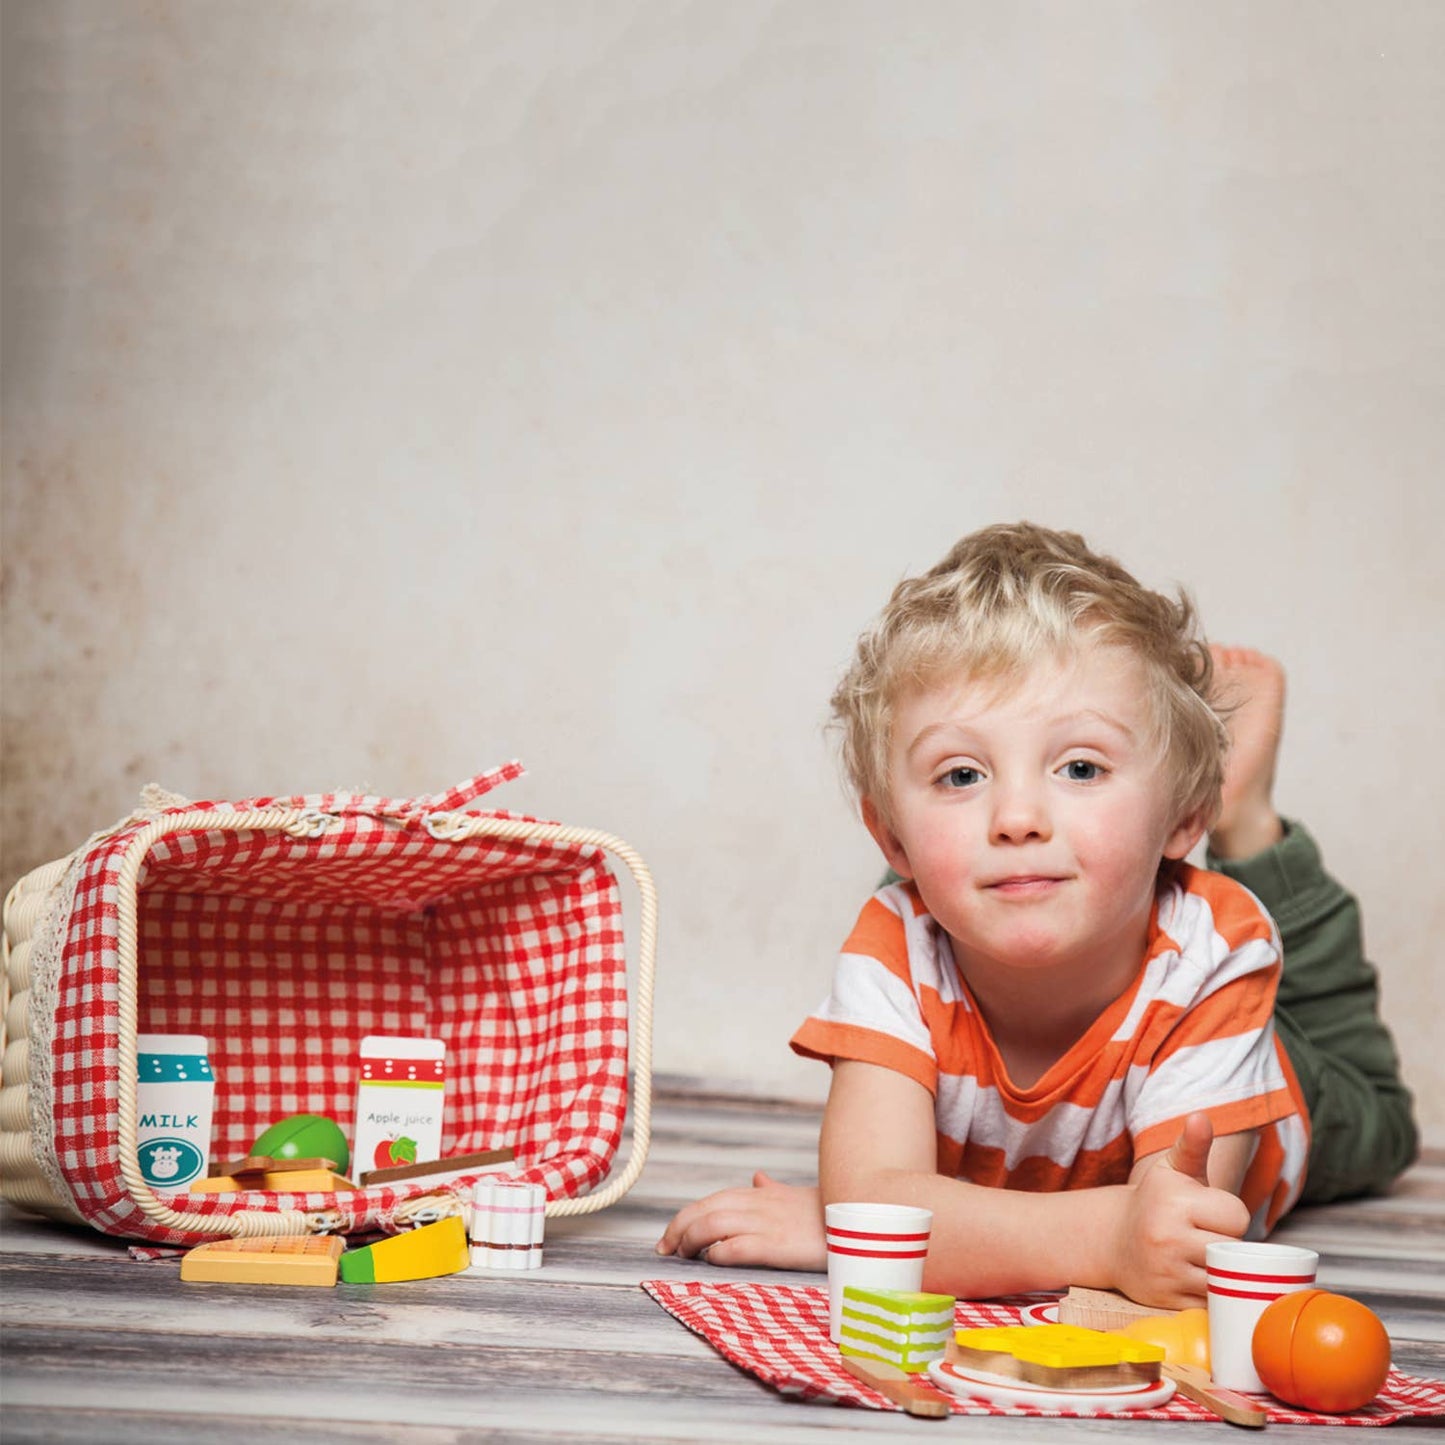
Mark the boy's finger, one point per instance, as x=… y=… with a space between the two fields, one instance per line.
x=1222 y=1216
x=679 y=1225
x=1189 y=1154
x=708 y=1231
x=739 y=1249
x=687 y=1217
x=692 y=1239
x=1193 y=1292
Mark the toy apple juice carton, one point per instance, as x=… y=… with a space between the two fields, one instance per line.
x=399 y=1096
x=175 y=1096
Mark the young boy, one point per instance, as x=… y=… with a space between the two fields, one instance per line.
x=1053 y=1032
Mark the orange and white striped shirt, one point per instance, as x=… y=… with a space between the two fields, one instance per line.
x=1195 y=1031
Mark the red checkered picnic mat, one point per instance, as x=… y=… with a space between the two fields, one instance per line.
x=780 y=1334
x=285 y=930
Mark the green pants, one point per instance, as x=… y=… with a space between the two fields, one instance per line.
x=1327 y=1014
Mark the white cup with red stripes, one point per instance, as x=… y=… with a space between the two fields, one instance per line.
x=1244 y=1280
x=873 y=1246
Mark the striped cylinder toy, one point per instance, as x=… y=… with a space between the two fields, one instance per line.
x=508 y=1221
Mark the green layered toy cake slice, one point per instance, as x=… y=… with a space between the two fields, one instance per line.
x=899 y=1327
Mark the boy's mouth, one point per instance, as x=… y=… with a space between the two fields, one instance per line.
x=1023 y=885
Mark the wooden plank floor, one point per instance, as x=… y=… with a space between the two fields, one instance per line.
x=97 y=1347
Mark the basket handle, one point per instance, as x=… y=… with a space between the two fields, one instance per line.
x=304 y=824
x=456 y=826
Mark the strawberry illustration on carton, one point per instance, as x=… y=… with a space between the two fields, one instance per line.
x=400 y=1096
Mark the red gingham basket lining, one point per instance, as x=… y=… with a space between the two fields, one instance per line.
x=285 y=952
x=780 y=1334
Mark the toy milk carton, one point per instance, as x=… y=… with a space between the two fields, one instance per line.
x=399 y=1097
x=175 y=1096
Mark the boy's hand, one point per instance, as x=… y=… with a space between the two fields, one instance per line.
x=778 y=1225
x=1172 y=1213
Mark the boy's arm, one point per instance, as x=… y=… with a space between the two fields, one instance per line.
x=1146 y=1238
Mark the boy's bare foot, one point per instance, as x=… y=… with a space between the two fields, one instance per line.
x=1249 y=688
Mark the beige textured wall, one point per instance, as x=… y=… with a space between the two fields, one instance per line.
x=394 y=388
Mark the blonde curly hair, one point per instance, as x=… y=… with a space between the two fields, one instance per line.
x=1005 y=596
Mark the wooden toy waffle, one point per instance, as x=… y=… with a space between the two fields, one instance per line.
x=303 y=1259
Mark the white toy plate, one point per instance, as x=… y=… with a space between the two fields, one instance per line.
x=1046 y=1313
x=970 y=1384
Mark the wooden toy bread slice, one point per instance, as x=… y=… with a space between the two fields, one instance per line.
x=285 y=1181
x=1061 y=1357
x=1102 y=1309
x=267 y=1164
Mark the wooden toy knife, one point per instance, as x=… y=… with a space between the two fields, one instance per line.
x=899 y=1386
x=1227 y=1404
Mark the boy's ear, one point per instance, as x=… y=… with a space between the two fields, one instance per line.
x=1187 y=833
x=886 y=839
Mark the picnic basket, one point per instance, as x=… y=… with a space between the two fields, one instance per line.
x=285 y=930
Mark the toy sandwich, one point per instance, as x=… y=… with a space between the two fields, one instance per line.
x=896 y=1327
x=1060 y=1357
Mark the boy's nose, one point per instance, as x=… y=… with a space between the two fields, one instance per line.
x=1019 y=815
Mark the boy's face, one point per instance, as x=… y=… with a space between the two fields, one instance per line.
x=1033 y=820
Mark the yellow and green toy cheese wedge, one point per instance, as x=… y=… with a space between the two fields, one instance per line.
x=898 y=1327
x=425 y=1253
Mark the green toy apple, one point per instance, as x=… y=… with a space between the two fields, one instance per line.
x=305 y=1136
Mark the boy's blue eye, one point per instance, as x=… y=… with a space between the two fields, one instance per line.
x=1080 y=770
x=961 y=777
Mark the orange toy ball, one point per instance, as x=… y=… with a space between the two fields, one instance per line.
x=1321 y=1351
